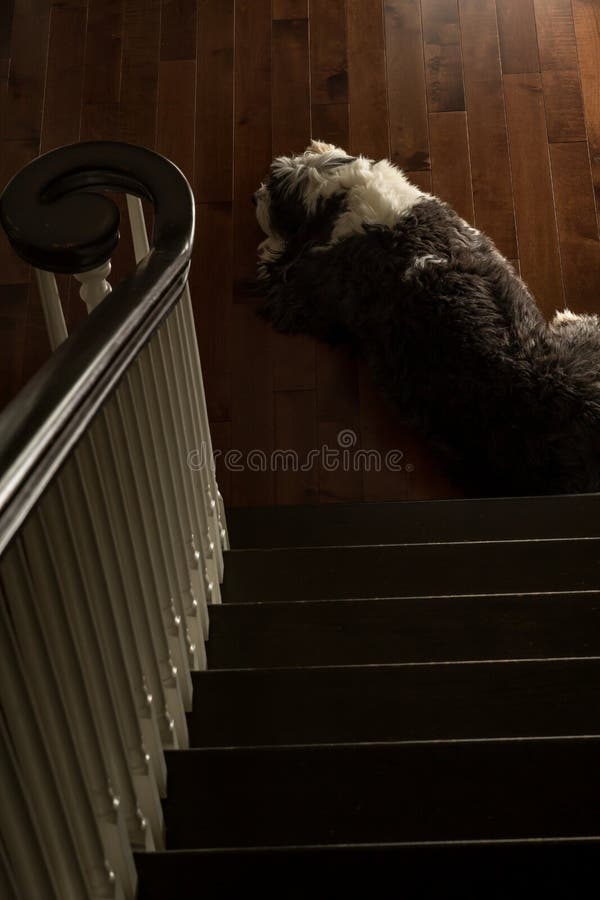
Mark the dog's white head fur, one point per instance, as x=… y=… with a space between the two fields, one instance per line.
x=374 y=193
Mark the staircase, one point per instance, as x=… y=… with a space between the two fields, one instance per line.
x=401 y=700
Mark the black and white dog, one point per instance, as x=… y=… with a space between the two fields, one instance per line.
x=356 y=253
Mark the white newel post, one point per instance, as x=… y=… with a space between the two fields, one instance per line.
x=94 y=286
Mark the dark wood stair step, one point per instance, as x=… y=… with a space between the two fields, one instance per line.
x=359 y=632
x=340 y=524
x=554 y=870
x=412 y=570
x=395 y=703
x=441 y=791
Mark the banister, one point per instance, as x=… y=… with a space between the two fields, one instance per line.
x=56 y=221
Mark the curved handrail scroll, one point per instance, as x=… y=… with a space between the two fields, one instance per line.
x=56 y=220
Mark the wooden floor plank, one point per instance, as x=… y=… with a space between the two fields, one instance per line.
x=178 y=29
x=534 y=203
x=587 y=25
x=252 y=401
x=328 y=52
x=290 y=9
x=490 y=166
x=369 y=131
x=27 y=75
x=103 y=52
x=293 y=358
x=175 y=134
x=64 y=78
x=139 y=77
x=214 y=102
x=296 y=474
x=556 y=35
x=518 y=37
x=443 y=60
x=409 y=138
x=451 y=175
x=564 y=106
x=577 y=226
x=211 y=287
x=252 y=130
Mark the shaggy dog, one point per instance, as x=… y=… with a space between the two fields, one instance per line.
x=355 y=253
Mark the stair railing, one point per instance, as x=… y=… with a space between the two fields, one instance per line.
x=111 y=545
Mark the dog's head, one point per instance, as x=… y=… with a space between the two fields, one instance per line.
x=304 y=194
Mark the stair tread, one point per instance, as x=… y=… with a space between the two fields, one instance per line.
x=404 y=630
x=421 y=520
x=551 y=869
x=395 y=703
x=412 y=570
x=383 y=793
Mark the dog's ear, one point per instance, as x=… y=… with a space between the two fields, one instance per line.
x=335 y=161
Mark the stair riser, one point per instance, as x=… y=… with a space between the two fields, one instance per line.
x=306 y=706
x=420 y=792
x=338 y=524
x=412 y=571
x=495 y=872
x=403 y=631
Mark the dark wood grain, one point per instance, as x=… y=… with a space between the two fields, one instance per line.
x=490 y=166
x=252 y=422
x=64 y=76
x=27 y=75
x=293 y=360
x=518 y=38
x=409 y=143
x=296 y=474
x=412 y=570
x=290 y=9
x=577 y=226
x=175 y=126
x=411 y=630
x=443 y=59
x=211 y=284
x=587 y=25
x=496 y=870
x=103 y=51
x=422 y=522
x=556 y=34
x=328 y=52
x=330 y=123
x=451 y=177
x=532 y=184
x=138 y=98
x=383 y=794
x=214 y=101
x=178 y=29
x=369 y=132
x=564 y=106
x=330 y=705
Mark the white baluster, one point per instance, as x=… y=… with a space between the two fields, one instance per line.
x=94 y=286
x=36 y=763
x=217 y=539
x=51 y=307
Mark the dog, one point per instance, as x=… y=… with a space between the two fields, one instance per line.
x=355 y=253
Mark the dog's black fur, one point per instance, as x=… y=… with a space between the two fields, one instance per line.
x=460 y=347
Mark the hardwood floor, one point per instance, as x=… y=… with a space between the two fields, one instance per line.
x=492 y=104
